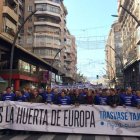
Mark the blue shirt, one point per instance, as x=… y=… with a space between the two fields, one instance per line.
x=20 y=99
x=48 y=97
x=136 y=101
x=101 y=100
x=8 y=97
x=127 y=99
x=26 y=95
x=64 y=100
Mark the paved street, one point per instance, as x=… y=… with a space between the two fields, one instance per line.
x=50 y=136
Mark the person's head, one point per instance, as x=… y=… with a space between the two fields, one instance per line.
x=48 y=89
x=55 y=91
x=89 y=92
x=138 y=93
x=8 y=90
x=112 y=91
x=104 y=92
x=129 y=90
x=18 y=93
x=63 y=93
x=35 y=92
x=86 y=90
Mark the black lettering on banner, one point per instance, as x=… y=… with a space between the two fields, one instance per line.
x=92 y=120
x=1 y=110
x=45 y=119
x=65 y=117
x=58 y=117
x=53 y=117
x=87 y=117
x=76 y=116
x=10 y=116
x=82 y=118
x=19 y=115
x=41 y=112
x=6 y=118
x=71 y=116
x=30 y=116
x=25 y=115
x=35 y=116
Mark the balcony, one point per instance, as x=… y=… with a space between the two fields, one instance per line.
x=48 y=13
x=47 y=23
x=48 y=2
x=7 y=10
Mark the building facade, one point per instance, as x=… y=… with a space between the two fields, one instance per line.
x=114 y=58
x=45 y=34
x=130 y=41
x=28 y=69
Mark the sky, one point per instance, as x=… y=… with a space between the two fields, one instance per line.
x=90 y=22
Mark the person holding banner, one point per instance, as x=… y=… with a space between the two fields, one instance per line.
x=35 y=97
x=136 y=100
x=113 y=99
x=126 y=99
x=8 y=96
x=19 y=96
x=48 y=96
x=102 y=98
x=90 y=98
x=63 y=99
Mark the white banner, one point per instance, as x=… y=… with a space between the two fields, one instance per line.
x=70 y=119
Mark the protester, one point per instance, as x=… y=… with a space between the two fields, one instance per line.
x=35 y=97
x=48 y=96
x=136 y=100
x=19 y=96
x=90 y=99
x=8 y=96
x=102 y=98
x=126 y=99
x=113 y=99
x=63 y=99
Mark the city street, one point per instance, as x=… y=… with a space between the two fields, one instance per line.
x=50 y=136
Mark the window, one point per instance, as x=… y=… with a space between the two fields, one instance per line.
x=29 y=8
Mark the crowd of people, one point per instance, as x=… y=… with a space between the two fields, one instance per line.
x=111 y=97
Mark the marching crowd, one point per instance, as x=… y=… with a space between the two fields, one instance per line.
x=111 y=97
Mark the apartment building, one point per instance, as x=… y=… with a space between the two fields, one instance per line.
x=45 y=34
x=26 y=65
x=114 y=58
x=130 y=41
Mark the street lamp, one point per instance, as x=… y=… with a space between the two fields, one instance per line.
x=13 y=45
